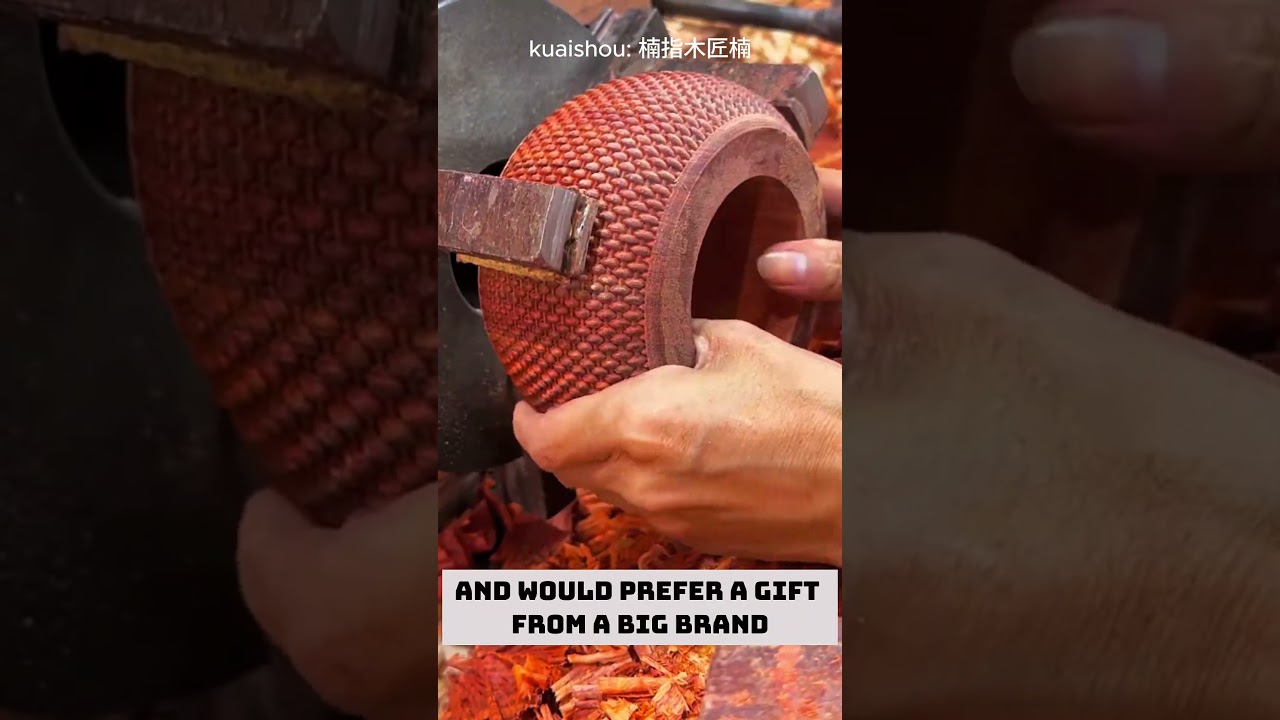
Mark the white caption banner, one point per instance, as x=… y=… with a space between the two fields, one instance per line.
x=645 y=607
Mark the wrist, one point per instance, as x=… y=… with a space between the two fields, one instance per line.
x=1200 y=505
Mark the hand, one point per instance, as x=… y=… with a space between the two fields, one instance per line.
x=1056 y=511
x=351 y=608
x=739 y=455
x=1191 y=83
x=810 y=269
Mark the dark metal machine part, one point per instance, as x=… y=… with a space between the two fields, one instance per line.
x=826 y=23
x=476 y=398
x=120 y=485
x=521 y=482
x=492 y=100
x=535 y=226
x=493 y=93
x=628 y=27
x=375 y=40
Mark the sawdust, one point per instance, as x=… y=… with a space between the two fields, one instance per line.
x=576 y=682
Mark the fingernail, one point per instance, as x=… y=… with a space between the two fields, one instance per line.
x=1093 y=71
x=783 y=268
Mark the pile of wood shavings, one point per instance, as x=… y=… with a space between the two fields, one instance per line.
x=779 y=47
x=576 y=682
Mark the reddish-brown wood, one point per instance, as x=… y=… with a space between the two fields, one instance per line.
x=697 y=177
x=296 y=246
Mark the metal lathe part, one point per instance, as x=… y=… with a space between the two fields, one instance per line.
x=121 y=484
x=538 y=227
x=495 y=94
x=826 y=23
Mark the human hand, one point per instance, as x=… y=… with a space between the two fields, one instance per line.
x=739 y=455
x=810 y=269
x=1189 y=83
x=351 y=608
x=1056 y=511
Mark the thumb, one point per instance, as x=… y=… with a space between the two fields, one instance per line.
x=1187 y=83
x=806 y=269
x=276 y=532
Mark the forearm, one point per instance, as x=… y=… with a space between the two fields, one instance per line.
x=1185 y=622
x=1124 y=567
x=1161 y=609
x=1196 y=630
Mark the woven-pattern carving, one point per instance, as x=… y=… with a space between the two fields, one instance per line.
x=625 y=143
x=297 y=248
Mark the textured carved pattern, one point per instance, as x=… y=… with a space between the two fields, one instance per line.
x=625 y=143
x=297 y=248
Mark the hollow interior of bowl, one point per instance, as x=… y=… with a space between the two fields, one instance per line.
x=757 y=214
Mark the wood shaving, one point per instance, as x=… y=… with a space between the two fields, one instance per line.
x=588 y=682
x=618 y=709
x=778 y=47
